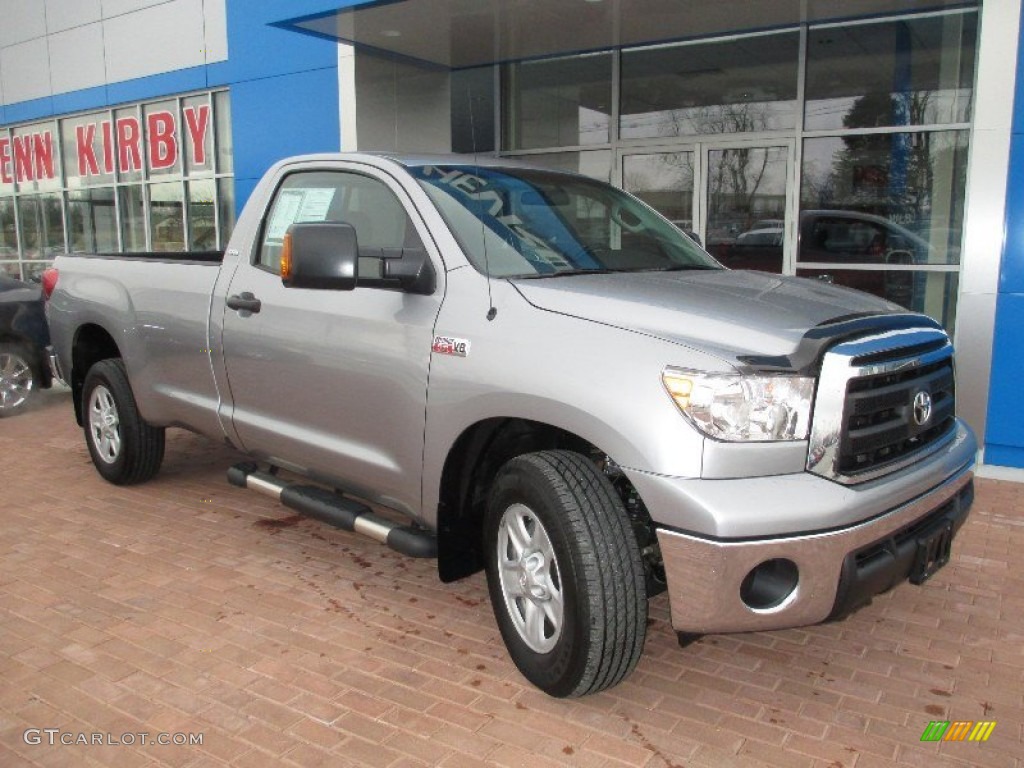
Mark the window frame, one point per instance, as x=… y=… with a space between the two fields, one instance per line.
x=400 y=195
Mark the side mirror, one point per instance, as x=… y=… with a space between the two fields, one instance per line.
x=320 y=255
x=411 y=270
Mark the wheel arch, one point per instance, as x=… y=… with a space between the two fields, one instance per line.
x=469 y=469
x=91 y=344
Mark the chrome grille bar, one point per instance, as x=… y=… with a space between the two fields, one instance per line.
x=915 y=359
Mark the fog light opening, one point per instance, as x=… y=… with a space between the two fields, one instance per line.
x=769 y=584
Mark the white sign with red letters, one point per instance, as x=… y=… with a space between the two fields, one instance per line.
x=159 y=138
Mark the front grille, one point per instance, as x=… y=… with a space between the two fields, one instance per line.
x=872 y=394
x=878 y=420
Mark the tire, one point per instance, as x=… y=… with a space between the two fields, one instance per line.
x=125 y=449
x=565 y=574
x=19 y=378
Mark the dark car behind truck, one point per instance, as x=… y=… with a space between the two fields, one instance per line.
x=24 y=337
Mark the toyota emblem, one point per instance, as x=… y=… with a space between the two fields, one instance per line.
x=922 y=408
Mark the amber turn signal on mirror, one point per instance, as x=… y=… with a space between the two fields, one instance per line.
x=286 y=258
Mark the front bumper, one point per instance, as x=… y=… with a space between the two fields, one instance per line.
x=838 y=570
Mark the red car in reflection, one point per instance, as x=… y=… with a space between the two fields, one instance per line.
x=830 y=242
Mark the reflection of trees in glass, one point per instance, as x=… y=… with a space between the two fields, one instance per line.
x=226 y=203
x=718 y=118
x=891 y=174
x=53 y=216
x=735 y=180
x=92 y=223
x=80 y=232
x=201 y=216
x=8 y=231
x=201 y=226
x=42 y=226
x=887 y=174
x=665 y=182
x=744 y=184
x=673 y=170
x=819 y=187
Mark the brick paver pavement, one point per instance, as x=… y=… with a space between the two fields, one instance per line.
x=189 y=606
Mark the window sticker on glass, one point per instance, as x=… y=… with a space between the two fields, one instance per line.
x=315 y=204
x=285 y=211
x=298 y=205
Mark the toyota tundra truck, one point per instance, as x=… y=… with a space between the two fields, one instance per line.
x=546 y=380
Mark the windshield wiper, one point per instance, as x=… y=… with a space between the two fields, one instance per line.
x=567 y=272
x=682 y=268
x=618 y=270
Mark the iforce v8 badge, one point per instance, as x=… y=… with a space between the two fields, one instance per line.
x=449 y=345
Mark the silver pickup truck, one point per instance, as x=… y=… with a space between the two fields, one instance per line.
x=546 y=380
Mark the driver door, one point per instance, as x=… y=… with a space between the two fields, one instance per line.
x=333 y=384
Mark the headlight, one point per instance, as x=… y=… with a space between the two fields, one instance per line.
x=743 y=408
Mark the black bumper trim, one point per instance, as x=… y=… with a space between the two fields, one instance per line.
x=881 y=565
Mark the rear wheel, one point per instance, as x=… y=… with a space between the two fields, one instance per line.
x=18 y=378
x=124 y=448
x=565 y=574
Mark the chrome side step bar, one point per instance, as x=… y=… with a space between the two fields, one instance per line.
x=336 y=510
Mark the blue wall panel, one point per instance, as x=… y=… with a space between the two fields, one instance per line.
x=141 y=88
x=1004 y=438
x=258 y=49
x=284 y=88
x=1011 y=275
x=79 y=101
x=275 y=117
x=28 y=110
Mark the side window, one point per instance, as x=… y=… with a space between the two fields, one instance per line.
x=830 y=238
x=378 y=217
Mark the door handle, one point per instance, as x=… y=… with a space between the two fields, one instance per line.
x=244 y=302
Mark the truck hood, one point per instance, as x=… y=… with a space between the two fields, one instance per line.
x=723 y=312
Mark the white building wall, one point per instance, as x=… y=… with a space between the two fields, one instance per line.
x=347 y=98
x=48 y=47
x=400 y=107
x=985 y=205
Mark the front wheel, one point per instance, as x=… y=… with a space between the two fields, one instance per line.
x=565 y=574
x=125 y=449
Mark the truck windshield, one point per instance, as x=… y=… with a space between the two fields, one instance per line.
x=516 y=222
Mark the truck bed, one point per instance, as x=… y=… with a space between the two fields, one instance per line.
x=157 y=307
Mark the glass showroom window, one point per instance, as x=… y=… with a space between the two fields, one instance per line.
x=152 y=176
x=882 y=210
x=742 y=85
x=561 y=102
x=42 y=226
x=915 y=71
x=202 y=215
x=891 y=206
x=132 y=208
x=867 y=161
x=595 y=163
x=9 y=265
x=92 y=220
